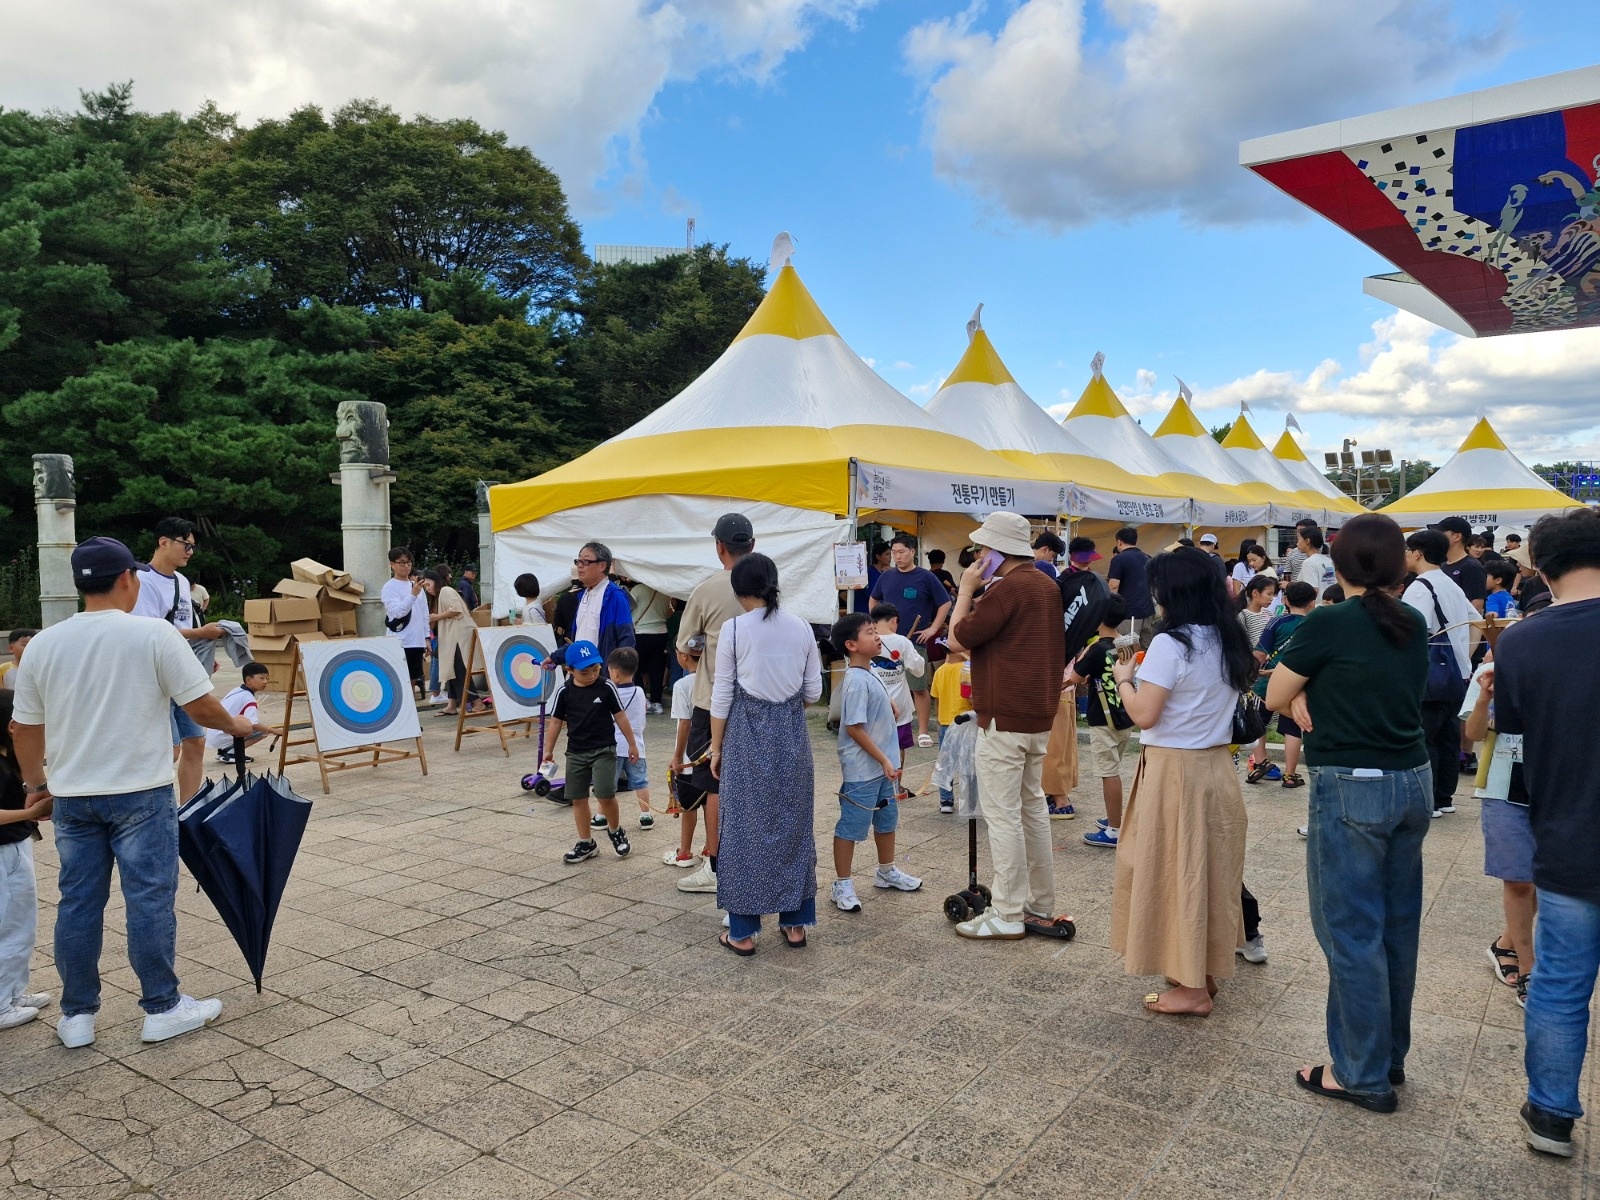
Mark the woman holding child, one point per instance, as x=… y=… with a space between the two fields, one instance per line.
x=1180 y=856
x=768 y=670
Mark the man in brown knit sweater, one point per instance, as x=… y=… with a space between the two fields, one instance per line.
x=1016 y=637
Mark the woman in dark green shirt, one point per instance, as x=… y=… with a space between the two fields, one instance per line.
x=1353 y=679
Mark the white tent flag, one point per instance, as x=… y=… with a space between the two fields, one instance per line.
x=1290 y=423
x=1183 y=390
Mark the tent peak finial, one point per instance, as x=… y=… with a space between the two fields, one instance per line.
x=1097 y=363
x=782 y=252
x=976 y=323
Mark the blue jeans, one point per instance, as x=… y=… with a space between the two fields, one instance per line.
x=139 y=832
x=946 y=796
x=1364 y=875
x=1557 y=1024
x=742 y=925
x=433 y=667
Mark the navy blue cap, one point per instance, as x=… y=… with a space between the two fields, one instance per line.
x=99 y=557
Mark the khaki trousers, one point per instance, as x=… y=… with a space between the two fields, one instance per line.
x=1011 y=796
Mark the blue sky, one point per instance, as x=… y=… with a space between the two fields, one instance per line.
x=1072 y=164
x=835 y=149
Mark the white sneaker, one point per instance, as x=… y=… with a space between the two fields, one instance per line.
x=35 y=1000
x=1254 y=950
x=17 y=1015
x=1304 y=831
x=672 y=860
x=987 y=926
x=76 y=1031
x=844 y=896
x=895 y=878
x=187 y=1015
x=703 y=880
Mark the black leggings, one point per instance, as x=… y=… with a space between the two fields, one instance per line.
x=414 y=666
x=652 y=648
x=1252 y=913
x=456 y=686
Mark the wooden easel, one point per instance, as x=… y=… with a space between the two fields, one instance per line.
x=487 y=722
x=330 y=761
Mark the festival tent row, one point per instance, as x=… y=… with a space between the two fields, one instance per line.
x=1485 y=483
x=788 y=426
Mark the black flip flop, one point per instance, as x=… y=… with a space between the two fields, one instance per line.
x=1385 y=1102
x=1062 y=928
x=801 y=944
x=723 y=938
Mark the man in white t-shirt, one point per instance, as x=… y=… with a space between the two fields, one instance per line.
x=1317 y=567
x=94 y=701
x=1441 y=718
x=164 y=594
x=405 y=614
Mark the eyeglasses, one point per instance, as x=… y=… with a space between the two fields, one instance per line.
x=587 y=562
x=188 y=547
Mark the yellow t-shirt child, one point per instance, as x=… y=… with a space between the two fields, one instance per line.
x=946 y=690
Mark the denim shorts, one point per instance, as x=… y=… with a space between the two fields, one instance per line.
x=631 y=776
x=185 y=727
x=1507 y=841
x=867 y=806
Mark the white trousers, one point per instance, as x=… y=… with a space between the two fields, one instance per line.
x=1011 y=795
x=19 y=919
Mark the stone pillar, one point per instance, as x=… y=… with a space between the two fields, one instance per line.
x=486 y=548
x=364 y=478
x=55 y=500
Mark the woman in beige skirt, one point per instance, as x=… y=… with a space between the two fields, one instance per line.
x=1180 y=860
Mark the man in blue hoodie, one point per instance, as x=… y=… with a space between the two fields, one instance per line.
x=605 y=617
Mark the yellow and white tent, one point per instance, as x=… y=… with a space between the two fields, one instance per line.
x=789 y=427
x=1100 y=421
x=1294 y=460
x=982 y=402
x=1190 y=444
x=1293 y=499
x=1485 y=483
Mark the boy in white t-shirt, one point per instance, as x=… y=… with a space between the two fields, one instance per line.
x=689 y=797
x=633 y=774
x=241 y=702
x=898 y=658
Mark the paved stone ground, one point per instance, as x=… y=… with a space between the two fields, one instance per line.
x=452 y=1012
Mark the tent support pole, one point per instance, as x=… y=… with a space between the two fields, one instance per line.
x=854 y=535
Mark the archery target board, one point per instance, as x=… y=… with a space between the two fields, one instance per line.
x=360 y=692
x=514 y=658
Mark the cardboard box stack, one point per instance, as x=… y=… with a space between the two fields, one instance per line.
x=316 y=604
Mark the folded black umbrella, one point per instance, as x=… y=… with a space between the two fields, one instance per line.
x=240 y=848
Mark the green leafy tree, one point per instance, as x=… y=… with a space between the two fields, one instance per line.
x=364 y=209
x=1222 y=431
x=234 y=434
x=647 y=331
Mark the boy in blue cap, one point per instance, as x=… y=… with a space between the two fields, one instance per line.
x=590 y=710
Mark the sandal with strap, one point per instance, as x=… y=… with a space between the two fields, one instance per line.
x=1062 y=928
x=1504 y=961
x=1294 y=781
x=1382 y=1102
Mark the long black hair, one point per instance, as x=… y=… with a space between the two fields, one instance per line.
x=1190 y=590
x=1370 y=552
x=755 y=576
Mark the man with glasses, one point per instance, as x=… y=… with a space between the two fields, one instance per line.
x=405 y=613
x=164 y=594
x=605 y=614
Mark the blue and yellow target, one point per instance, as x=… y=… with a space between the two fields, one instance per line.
x=519 y=669
x=361 y=692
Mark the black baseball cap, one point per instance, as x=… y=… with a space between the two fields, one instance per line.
x=101 y=557
x=734 y=530
x=1453 y=525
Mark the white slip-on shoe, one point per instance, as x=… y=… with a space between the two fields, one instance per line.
x=76 y=1031
x=988 y=926
x=187 y=1015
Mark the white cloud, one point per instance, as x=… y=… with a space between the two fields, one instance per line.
x=923 y=392
x=903 y=365
x=1419 y=390
x=574 y=81
x=1065 y=126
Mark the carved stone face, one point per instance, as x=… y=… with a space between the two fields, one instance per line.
x=362 y=427
x=52 y=477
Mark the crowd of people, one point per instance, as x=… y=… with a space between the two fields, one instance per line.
x=1369 y=647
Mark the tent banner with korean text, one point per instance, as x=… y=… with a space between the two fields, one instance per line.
x=1133 y=510
x=904 y=490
